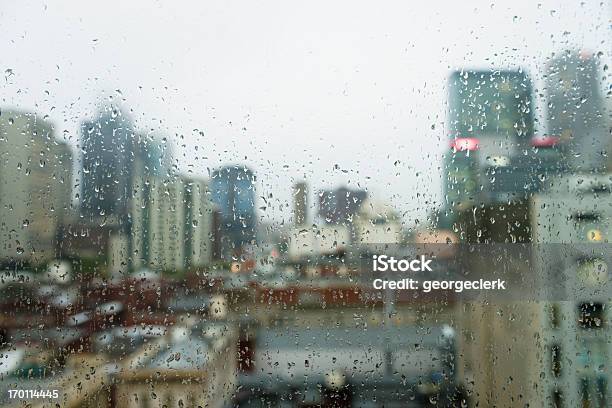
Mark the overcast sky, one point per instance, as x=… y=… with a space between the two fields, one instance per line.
x=336 y=92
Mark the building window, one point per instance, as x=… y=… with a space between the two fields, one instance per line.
x=557 y=399
x=591 y=315
x=555 y=359
x=554 y=314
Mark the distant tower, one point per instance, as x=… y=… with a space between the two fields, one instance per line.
x=491 y=124
x=233 y=193
x=107 y=144
x=576 y=112
x=340 y=205
x=35 y=188
x=493 y=106
x=300 y=203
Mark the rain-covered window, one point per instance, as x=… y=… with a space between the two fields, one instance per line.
x=305 y=204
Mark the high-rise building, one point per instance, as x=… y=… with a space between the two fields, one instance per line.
x=199 y=237
x=494 y=155
x=571 y=222
x=121 y=169
x=35 y=187
x=166 y=224
x=171 y=223
x=339 y=206
x=300 y=203
x=151 y=157
x=462 y=175
x=576 y=110
x=493 y=106
x=233 y=192
x=108 y=147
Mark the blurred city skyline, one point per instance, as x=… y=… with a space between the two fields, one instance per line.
x=350 y=97
x=195 y=201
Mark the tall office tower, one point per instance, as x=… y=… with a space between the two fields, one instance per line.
x=108 y=151
x=233 y=192
x=462 y=174
x=300 y=203
x=493 y=106
x=171 y=223
x=167 y=224
x=199 y=237
x=571 y=225
x=576 y=111
x=491 y=127
x=35 y=187
x=339 y=206
x=149 y=163
x=151 y=156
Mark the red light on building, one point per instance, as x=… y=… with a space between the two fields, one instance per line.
x=462 y=144
x=545 y=141
x=585 y=55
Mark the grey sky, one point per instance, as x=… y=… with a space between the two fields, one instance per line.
x=340 y=92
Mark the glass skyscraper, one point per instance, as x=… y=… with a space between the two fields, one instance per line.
x=491 y=127
x=107 y=144
x=576 y=112
x=233 y=193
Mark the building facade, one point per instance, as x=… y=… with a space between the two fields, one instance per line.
x=107 y=144
x=340 y=205
x=171 y=222
x=576 y=110
x=491 y=126
x=571 y=224
x=233 y=193
x=35 y=188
